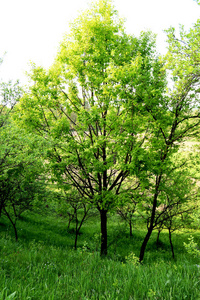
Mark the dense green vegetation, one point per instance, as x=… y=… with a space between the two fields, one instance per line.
x=99 y=168
x=43 y=264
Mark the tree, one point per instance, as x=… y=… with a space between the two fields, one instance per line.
x=9 y=95
x=176 y=119
x=20 y=168
x=84 y=106
x=127 y=211
x=177 y=197
x=73 y=206
x=22 y=181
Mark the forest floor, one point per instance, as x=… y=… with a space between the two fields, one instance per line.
x=44 y=265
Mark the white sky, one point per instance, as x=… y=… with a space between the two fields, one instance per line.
x=31 y=30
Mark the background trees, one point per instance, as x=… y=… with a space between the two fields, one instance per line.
x=9 y=96
x=22 y=180
x=21 y=170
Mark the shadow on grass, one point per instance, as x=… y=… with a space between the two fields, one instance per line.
x=52 y=230
x=40 y=228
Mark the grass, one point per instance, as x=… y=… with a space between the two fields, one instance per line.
x=43 y=264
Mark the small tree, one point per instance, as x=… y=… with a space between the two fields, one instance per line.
x=128 y=209
x=176 y=118
x=71 y=205
x=20 y=190
x=22 y=181
x=167 y=194
x=9 y=96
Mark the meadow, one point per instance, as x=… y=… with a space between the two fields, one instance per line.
x=44 y=265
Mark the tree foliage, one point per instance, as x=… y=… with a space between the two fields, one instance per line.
x=21 y=170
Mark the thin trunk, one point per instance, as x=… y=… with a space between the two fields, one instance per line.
x=78 y=228
x=76 y=231
x=83 y=219
x=170 y=240
x=103 y=212
x=69 y=223
x=1 y=206
x=130 y=226
x=157 y=241
x=151 y=225
x=104 y=246
x=13 y=224
x=16 y=234
x=76 y=239
x=144 y=244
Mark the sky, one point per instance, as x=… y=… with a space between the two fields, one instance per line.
x=31 y=30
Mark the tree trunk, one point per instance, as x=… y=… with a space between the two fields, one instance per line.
x=170 y=240
x=131 y=231
x=76 y=236
x=13 y=224
x=69 y=222
x=157 y=240
x=15 y=229
x=1 y=208
x=104 y=246
x=144 y=244
x=151 y=225
x=78 y=228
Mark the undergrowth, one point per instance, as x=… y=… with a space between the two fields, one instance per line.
x=44 y=265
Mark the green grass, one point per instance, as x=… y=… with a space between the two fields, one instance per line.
x=43 y=264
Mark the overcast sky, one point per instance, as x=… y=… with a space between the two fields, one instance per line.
x=31 y=30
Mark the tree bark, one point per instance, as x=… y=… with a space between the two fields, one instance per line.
x=104 y=245
x=130 y=226
x=170 y=240
x=144 y=244
x=157 y=240
x=13 y=224
x=76 y=234
x=16 y=234
x=151 y=225
x=78 y=228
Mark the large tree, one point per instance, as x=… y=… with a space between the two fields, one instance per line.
x=84 y=107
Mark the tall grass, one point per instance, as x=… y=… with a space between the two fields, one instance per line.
x=43 y=264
